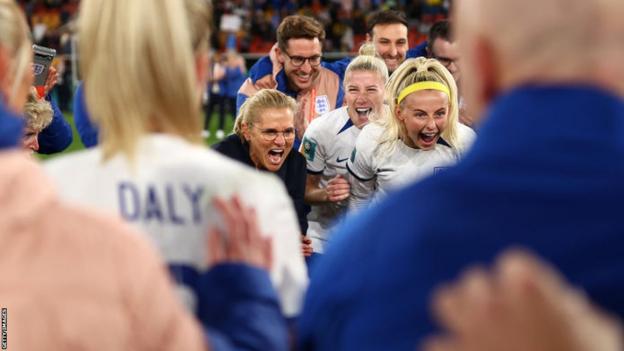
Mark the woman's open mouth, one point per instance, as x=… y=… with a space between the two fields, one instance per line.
x=363 y=112
x=276 y=156
x=428 y=139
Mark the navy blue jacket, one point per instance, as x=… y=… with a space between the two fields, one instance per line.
x=293 y=173
x=546 y=173
x=87 y=131
x=419 y=51
x=11 y=129
x=57 y=136
x=240 y=310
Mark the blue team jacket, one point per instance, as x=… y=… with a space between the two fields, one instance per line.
x=57 y=136
x=11 y=128
x=87 y=131
x=264 y=67
x=546 y=173
x=240 y=310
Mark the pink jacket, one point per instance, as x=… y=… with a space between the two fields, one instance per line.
x=75 y=280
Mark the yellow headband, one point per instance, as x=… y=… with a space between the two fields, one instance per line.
x=422 y=86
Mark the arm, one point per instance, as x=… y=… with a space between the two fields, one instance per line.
x=10 y=129
x=361 y=191
x=87 y=131
x=218 y=72
x=262 y=68
x=297 y=191
x=238 y=304
x=240 y=100
x=240 y=310
x=361 y=173
x=337 y=189
x=58 y=135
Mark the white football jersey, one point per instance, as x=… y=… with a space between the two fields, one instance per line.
x=327 y=145
x=167 y=193
x=373 y=175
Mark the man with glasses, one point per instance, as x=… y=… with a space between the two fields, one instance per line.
x=442 y=46
x=299 y=51
x=387 y=30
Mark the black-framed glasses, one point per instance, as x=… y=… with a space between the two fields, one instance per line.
x=270 y=134
x=300 y=60
x=445 y=61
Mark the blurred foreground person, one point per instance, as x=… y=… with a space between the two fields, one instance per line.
x=521 y=304
x=544 y=174
x=92 y=283
x=151 y=166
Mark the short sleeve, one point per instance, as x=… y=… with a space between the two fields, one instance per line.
x=313 y=148
x=362 y=171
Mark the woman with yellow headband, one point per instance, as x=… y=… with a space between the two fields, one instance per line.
x=421 y=136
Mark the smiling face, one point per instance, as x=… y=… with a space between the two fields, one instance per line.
x=270 y=138
x=364 y=95
x=425 y=115
x=301 y=77
x=390 y=42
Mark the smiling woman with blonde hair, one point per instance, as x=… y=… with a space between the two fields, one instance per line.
x=144 y=65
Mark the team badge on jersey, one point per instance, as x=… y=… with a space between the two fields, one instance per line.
x=322 y=105
x=308 y=148
x=353 y=155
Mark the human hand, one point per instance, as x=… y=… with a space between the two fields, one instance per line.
x=522 y=304
x=306 y=246
x=242 y=241
x=273 y=56
x=51 y=81
x=338 y=189
x=266 y=82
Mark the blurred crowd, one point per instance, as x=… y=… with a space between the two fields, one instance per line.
x=249 y=26
x=51 y=23
x=254 y=23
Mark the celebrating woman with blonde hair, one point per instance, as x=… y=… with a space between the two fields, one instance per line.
x=264 y=133
x=421 y=135
x=329 y=140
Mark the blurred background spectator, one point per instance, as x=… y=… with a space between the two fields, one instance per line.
x=51 y=23
x=249 y=26
x=255 y=22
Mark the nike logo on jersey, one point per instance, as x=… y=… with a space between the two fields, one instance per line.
x=340 y=160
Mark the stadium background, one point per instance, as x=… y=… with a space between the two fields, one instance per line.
x=245 y=26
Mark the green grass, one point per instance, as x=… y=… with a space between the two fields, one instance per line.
x=77 y=145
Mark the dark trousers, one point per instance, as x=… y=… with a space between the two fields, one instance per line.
x=221 y=103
